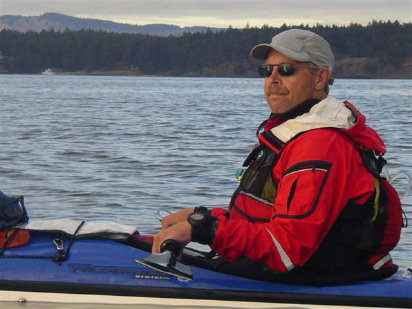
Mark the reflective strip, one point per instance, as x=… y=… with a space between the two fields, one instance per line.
x=307 y=169
x=283 y=256
x=382 y=261
x=259 y=199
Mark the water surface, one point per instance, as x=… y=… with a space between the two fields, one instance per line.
x=122 y=148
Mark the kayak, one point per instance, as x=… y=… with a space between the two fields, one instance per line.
x=104 y=267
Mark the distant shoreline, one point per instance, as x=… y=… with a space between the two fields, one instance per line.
x=361 y=52
x=131 y=73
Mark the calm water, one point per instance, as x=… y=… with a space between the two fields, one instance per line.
x=122 y=148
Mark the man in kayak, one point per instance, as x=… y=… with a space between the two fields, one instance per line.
x=311 y=207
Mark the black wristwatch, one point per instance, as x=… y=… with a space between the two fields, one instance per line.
x=196 y=219
x=201 y=210
x=203 y=226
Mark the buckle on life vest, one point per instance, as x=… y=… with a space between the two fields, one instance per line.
x=372 y=163
x=253 y=155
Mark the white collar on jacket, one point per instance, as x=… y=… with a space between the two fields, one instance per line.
x=328 y=113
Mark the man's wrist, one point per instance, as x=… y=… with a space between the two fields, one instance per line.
x=203 y=226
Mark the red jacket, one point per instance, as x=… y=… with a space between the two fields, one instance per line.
x=318 y=172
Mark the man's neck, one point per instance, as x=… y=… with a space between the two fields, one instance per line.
x=298 y=110
x=277 y=119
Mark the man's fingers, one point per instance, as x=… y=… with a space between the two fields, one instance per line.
x=176 y=218
x=181 y=232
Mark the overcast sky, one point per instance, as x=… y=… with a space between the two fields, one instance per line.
x=219 y=13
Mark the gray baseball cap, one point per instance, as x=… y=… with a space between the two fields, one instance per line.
x=299 y=45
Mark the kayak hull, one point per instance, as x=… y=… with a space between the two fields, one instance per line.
x=105 y=267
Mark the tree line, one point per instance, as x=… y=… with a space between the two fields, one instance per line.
x=377 y=48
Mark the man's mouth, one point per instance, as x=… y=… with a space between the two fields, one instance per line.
x=275 y=94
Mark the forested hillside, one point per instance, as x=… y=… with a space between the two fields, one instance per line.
x=378 y=50
x=61 y=22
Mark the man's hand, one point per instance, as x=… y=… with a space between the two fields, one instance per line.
x=181 y=232
x=175 y=218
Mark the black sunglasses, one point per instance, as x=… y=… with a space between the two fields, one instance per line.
x=284 y=69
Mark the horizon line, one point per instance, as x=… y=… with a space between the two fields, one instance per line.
x=247 y=25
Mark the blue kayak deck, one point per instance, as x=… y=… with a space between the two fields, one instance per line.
x=100 y=266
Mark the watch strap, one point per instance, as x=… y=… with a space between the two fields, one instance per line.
x=205 y=231
x=201 y=210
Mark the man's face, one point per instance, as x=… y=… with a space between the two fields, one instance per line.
x=285 y=92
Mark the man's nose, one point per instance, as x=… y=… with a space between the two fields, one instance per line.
x=275 y=77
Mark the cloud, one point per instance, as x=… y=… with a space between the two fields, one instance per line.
x=220 y=13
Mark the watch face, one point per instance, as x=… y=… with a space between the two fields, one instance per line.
x=196 y=217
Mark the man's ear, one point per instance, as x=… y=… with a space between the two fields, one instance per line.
x=322 y=78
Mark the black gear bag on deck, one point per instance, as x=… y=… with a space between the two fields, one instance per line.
x=12 y=211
